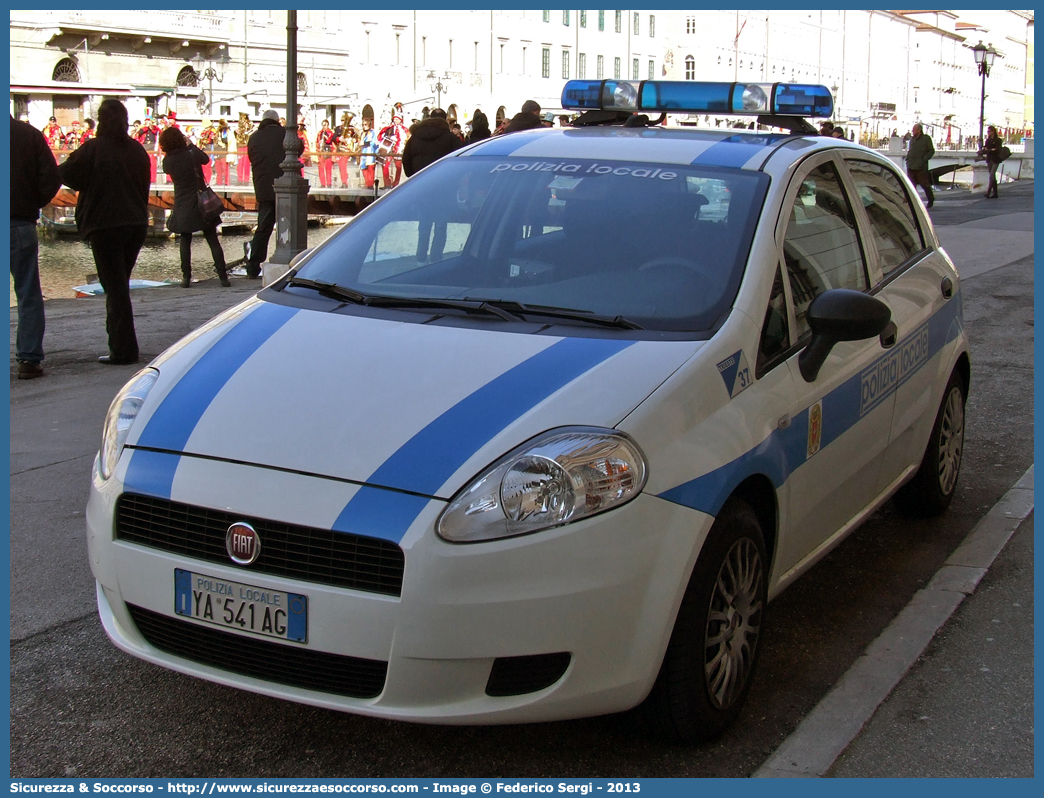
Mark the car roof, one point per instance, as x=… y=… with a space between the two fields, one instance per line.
x=729 y=148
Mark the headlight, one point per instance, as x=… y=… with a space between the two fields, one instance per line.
x=122 y=412
x=558 y=477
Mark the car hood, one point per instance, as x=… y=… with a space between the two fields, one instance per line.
x=407 y=406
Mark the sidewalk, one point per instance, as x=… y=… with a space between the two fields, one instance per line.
x=947 y=689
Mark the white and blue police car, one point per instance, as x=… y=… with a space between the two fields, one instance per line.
x=539 y=433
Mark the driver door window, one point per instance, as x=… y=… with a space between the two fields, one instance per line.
x=821 y=247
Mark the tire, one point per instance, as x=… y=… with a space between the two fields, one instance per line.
x=930 y=491
x=713 y=651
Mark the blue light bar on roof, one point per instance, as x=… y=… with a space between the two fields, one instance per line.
x=676 y=96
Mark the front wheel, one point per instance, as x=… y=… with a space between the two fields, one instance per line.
x=710 y=660
x=933 y=486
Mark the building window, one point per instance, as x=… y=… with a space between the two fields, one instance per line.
x=634 y=69
x=690 y=68
x=690 y=25
x=187 y=77
x=652 y=26
x=636 y=23
x=398 y=50
x=565 y=18
x=619 y=22
x=501 y=70
x=616 y=69
x=547 y=16
x=600 y=66
x=601 y=20
x=451 y=53
x=424 y=50
x=545 y=63
x=652 y=69
x=524 y=60
x=583 y=19
x=581 y=66
x=565 y=65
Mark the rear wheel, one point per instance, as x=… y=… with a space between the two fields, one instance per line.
x=933 y=486
x=710 y=660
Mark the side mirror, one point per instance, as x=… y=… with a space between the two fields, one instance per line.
x=840 y=314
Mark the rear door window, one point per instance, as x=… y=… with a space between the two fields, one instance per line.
x=892 y=218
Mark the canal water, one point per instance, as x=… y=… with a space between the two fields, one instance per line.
x=66 y=261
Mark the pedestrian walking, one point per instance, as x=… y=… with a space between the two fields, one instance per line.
x=917 y=157
x=526 y=119
x=266 y=152
x=991 y=151
x=34 y=182
x=479 y=127
x=184 y=162
x=111 y=172
x=429 y=140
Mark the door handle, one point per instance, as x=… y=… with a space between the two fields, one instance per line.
x=889 y=335
x=947 y=287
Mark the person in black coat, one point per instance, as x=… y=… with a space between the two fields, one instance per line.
x=479 y=127
x=526 y=119
x=34 y=182
x=429 y=140
x=184 y=163
x=266 y=151
x=991 y=151
x=112 y=172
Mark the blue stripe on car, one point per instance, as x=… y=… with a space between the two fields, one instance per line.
x=172 y=423
x=735 y=151
x=784 y=451
x=424 y=463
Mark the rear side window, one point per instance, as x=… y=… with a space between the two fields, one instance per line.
x=821 y=247
x=892 y=218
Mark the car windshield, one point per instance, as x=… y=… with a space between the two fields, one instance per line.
x=662 y=246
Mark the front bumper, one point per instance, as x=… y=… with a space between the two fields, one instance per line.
x=605 y=590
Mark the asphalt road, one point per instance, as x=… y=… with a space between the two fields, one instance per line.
x=80 y=707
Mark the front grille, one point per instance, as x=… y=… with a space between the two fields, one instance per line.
x=521 y=675
x=274 y=662
x=311 y=555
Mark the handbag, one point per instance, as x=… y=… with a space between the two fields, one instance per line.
x=209 y=204
x=1003 y=154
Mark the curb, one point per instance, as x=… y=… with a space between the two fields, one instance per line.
x=837 y=719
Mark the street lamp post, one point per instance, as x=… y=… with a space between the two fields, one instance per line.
x=984 y=61
x=291 y=189
x=208 y=74
x=438 y=87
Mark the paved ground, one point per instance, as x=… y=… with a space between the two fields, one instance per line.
x=81 y=707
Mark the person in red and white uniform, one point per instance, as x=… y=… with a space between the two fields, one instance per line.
x=55 y=137
x=391 y=142
x=324 y=145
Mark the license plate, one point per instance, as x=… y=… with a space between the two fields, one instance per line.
x=233 y=605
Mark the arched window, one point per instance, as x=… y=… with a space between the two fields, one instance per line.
x=66 y=71
x=451 y=113
x=302 y=84
x=690 y=68
x=188 y=77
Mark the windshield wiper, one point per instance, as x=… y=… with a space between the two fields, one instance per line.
x=520 y=308
x=335 y=291
x=332 y=290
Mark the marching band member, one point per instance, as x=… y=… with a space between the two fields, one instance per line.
x=369 y=147
x=207 y=142
x=392 y=142
x=88 y=131
x=243 y=131
x=347 y=139
x=55 y=138
x=221 y=154
x=324 y=144
x=148 y=137
x=72 y=138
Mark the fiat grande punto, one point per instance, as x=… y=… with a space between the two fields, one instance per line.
x=540 y=432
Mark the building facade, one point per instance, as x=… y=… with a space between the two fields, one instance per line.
x=887 y=69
